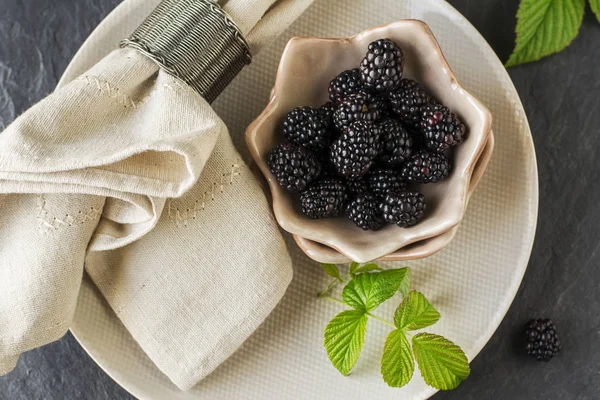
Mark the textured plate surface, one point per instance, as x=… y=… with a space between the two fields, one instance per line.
x=472 y=281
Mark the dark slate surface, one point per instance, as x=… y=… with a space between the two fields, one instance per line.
x=561 y=95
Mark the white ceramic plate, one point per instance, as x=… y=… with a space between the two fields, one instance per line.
x=472 y=282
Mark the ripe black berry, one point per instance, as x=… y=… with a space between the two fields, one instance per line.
x=403 y=208
x=327 y=110
x=356 y=187
x=396 y=143
x=359 y=106
x=541 y=339
x=344 y=84
x=382 y=180
x=441 y=128
x=426 y=167
x=307 y=127
x=408 y=100
x=355 y=150
x=294 y=167
x=364 y=212
x=381 y=69
x=325 y=198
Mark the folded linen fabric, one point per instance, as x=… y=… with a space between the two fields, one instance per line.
x=129 y=172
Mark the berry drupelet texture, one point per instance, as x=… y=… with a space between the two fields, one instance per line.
x=359 y=106
x=426 y=167
x=294 y=167
x=346 y=83
x=356 y=187
x=541 y=339
x=327 y=110
x=396 y=143
x=355 y=150
x=384 y=180
x=365 y=212
x=325 y=198
x=407 y=102
x=381 y=69
x=403 y=208
x=441 y=128
x=306 y=126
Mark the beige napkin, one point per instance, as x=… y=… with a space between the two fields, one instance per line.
x=130 y=173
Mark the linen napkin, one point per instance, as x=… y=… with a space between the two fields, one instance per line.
x=128 y=172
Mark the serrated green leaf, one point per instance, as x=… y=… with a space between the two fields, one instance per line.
x=545 y=27
x=333 y=271
x=595 y=5
x=397 y=364
x=353 y=267
x=344 y=338
x=367 y=268
x=367 y=291
x=415 y=312
x=405 y=285
x=443 y=364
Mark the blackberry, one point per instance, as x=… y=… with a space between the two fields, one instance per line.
x=355 y=150
x=294 y=167
x=344 y=84
x=403 y=208
x=541 y=339
x=396 y=143
x=357 y=187
x=325 y=198
x=327 y=110
x=426 y=167
x=359 y=106
x=382 y=180
x=381 y=69
x=307 y=127
x=441 y=128
x=364 y=212
x=408 y=100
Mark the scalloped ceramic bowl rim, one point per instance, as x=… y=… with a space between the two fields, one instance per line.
x=285 y=216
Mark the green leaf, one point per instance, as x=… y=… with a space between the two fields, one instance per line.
x=405 y=285
x=367 y=291
x=333 y=271
x=344 y=338
x=397 y=364
x=353 y=267
x=415 y=312
x=367 y=268
x=545 y=27
x=443 y=364
x=595 y=5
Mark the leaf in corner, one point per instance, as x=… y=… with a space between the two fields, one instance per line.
x=332 y=270
x=443 y=364
x=415 y=312
x=595 y=5
x=545 y=27
x=397 y=364
x=344 y=338
x=368 y=290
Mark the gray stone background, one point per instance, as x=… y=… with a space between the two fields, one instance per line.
x=561 y=95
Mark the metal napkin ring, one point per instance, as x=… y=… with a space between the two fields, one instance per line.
x=195 y=41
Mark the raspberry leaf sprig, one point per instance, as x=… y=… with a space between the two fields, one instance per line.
x=442 y=363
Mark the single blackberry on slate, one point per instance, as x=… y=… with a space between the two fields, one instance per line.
x=293 y=166
x=307 y=127
x=344 y=84
x=359 y=106
x=381 y=69
x=325 y=198
x=541 y=339
x=364 y=211
x=396 y=143
x=403 y=208
x=327 y=110
x=426 y=167
x=355 y=150
x=356 y=187
x=441 y=128
x=408 y=100
x=382 y=181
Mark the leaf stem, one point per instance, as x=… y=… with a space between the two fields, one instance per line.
x=368 y=313
x=332 y=284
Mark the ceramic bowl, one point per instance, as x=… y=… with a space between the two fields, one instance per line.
x=306 y=67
